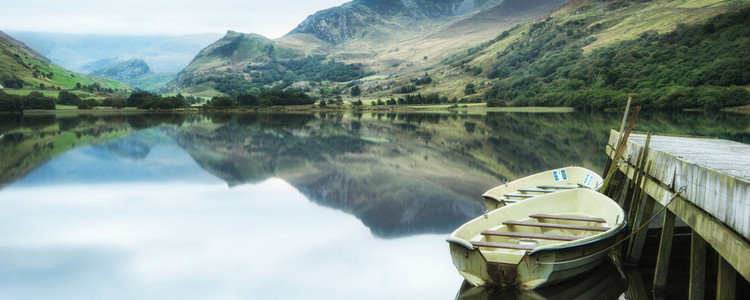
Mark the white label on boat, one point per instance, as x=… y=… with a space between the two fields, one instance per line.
x=564 y=176
x=557 y=177
x=587 y=181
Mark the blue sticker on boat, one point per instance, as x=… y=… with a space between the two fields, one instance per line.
x=564 y=176
x=587 y=181
x=557 y=177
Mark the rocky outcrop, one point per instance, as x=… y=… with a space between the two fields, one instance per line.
x=340 y=24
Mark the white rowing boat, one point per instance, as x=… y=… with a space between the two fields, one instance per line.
x=541 y=183
x=538 y=241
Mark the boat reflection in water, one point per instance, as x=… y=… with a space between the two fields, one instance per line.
x=603 y=282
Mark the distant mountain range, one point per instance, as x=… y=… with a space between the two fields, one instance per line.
x=86 y=53
x=580 y=53
x=23 y=67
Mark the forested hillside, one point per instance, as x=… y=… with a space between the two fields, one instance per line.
x=699 y=65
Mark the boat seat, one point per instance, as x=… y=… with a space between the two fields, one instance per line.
x=535 y=191
x=541 y=236
x=518 y=195
x=502 y=245
x=568 y=218
x=558 y=187
x=558 y=226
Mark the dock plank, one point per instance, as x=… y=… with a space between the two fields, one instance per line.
x=558 y=226
x=531 y=235
x=569 y=218
x=502 y=245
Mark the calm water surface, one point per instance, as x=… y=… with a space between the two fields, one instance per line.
x=276 y=206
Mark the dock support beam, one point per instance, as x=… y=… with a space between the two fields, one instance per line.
x=665 y=253
x=697 y=267
x=726 y=282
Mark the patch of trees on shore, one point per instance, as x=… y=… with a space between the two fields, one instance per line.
x=264 y=99
x=694 y=66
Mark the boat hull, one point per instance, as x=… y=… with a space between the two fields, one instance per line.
x=552 y=262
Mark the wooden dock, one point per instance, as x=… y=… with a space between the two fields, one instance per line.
x=715 y=203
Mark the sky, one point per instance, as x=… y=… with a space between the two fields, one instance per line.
x=272 y=18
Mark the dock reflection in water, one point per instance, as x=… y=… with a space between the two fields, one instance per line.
x=606 y=281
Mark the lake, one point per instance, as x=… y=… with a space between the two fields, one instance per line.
x=277 y=206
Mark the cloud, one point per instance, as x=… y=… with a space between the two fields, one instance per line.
x=205 y=241
x=151 y=17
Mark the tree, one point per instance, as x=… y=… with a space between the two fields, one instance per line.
x=469 y=89
x=221 y=102
x=10 y=103
x=356 y=91
x=68 y=98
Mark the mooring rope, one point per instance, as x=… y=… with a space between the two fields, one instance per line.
x=680 y=191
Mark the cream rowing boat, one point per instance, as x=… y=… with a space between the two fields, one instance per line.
x=538 y=241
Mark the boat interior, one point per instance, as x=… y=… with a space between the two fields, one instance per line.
x=538 y=230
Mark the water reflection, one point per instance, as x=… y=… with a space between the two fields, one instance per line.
x=248 y=205
x=604 y=282
x=202 y=241
x=400 y=173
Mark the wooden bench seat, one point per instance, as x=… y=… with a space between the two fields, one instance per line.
x=535 y=191
x=540 y=236
x=568 y=218
x=518 y=195
x=502 y=245
x=553 y=225
x=558 y=187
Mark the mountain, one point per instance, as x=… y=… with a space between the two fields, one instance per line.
x=136 y=73
x=86 y=53
x=21 y=66
x=124 y=71
x=352 y=41
x=377 y=20
x=588 y=54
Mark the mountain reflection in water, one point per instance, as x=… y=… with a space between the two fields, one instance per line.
x=399 y=173
x=272 y=206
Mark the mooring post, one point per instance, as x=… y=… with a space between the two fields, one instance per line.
x=665 y=251
x=697 y=267
x=726 y=285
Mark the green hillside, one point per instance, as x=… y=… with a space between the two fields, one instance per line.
x=22 y=67
x=589 y=54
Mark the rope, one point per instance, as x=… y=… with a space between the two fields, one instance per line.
x=681 y=190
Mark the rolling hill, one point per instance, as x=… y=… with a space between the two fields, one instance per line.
x=23 y=67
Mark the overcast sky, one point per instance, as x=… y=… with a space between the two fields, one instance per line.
x=271 y=18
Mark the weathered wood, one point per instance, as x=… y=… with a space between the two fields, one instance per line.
x=531 y=235
x=557 y=187
x=620 y=146
x=717 y=176
x=726 y=284
x=569 y=218
x=518 y=195
x=697 y=267
x=535 y=191
x=502 y=245
x=639 y=239
x=665 y=252
x=558 y=226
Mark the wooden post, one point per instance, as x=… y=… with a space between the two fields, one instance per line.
x=697 y=267
x=665 y=252
x=726 y=285
x=640 y=237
